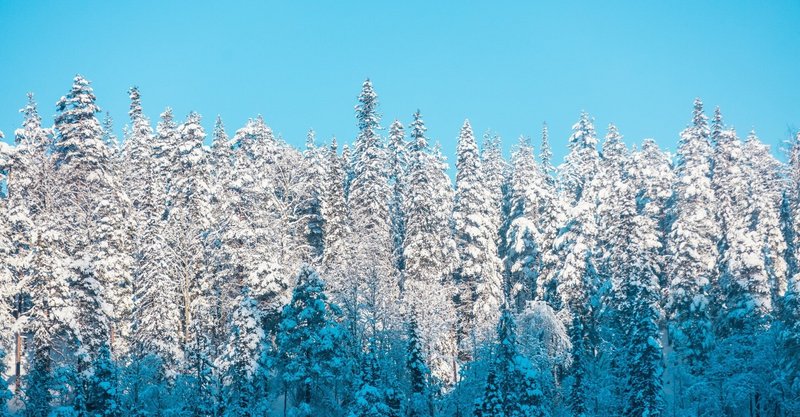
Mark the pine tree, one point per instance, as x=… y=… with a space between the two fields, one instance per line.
x=374 y=296
x=419 y=375
x=769 y=183
x=315 y=222
x=398 y=164
x=581 y=164
x=103 y=393
x=157 y=303
x=429 y=252
x=480 y=291
x=309 y=343
x=92 y=219
x=371 y=399
x=335 y=213
x=512 y=387
x=523 y=257
x=546 y=155
x=692 y=246
x=495 y=171
x=744 y=288
x=636 y=286
x=239 y=362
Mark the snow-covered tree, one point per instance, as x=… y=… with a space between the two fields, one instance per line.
x=692 y=246
x=581 y=163
x=512 y=386
x=745 y=296
x=769 y=184
x=93 y=220
x=336 y=215
x=398 y=164
x=480 y=290
x=525 y=235
x=495 y=170
x=374 y=295
x=239 y=362
x=309 y=344
x=430 y=255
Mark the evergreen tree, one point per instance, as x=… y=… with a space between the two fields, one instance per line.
x=546 y=155
x=512 y=386
x=335 y=213
x=692 y=246
x=581 y=164
x=769 y=183
x=315 y=222
x=480 y=292
x=371 y=400
x=239 y=362
x=636 y=286
x=87 y=190
x=495 y=171
x=309 y=343
x=525 y=237
x=103 y=392
x=419 y=375
x=429 y=252
x=398 y=164
x=374 y=298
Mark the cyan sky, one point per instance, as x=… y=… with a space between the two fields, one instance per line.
x=507 y=66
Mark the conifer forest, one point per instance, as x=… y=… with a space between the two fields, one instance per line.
x=180 y=272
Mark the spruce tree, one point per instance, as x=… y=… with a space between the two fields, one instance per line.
x=480 y=291
x=309 y=344
x=581 y=163
x=429 y=252
x=692 y=246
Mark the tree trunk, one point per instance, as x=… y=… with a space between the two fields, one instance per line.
x=17 y=362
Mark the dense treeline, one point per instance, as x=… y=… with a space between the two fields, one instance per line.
x=163 y=277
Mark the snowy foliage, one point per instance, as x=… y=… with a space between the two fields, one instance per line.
x=166 y=277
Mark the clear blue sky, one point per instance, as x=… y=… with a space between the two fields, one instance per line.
x=507 y=66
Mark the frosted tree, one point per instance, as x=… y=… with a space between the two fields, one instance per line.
x=157 y=302
x=398 y=163
x=188 y=217
x=692 y=246
x=546 y=155
x=270 y=235
x=419 y=375
x=480 y=291
x=611 y=171
x=512 y=386
x=635 y=278
x=137 y=154
x=309 y=343
x=312 y=210
x=335 y=213
x=373 y=399
x=164 y=153
x=374 y=297
x=30 y=191
x=525 y=236
x=221 y=155
x=93 y=219
x=430 y=255
x=743 y=284
x=495 y=170
x=103 y=392
x=551 y=217
x=581 y=163
x=239 y=362
x=769 y=183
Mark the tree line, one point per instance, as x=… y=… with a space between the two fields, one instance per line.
x=163 y=277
